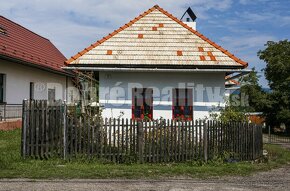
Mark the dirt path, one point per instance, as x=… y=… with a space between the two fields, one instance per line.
x=278 y=179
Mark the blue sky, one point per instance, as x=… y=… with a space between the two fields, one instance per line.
x=240 y=26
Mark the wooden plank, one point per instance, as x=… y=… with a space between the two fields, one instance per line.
x=167 y=159
x=127 y=137
x=24 y=129
x=175 y=141
x=201 y=136
x=118 y=141
x=205 y=141
x=50 y=131
x=94 y=138
x=185 y=140
x=32 y=130
x=37 y=124
x=163 y=140
x=146 y=138
x=150 y=141
x=153 y=142
x=46 y=130
x=42 y=130
x=110 y=139
x=140 y=139
x=188 y=140
x=76 y=131
x=182 y=144
x=179 y=140
x=122 y=139
x=253 y=142
x=171 y=141
x=104 y=138
x=130 y=137
x=114 y=140
x=88 y=137
x=191 y=140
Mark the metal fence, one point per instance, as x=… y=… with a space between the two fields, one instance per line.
x=10 y=111
x=276 y=135
x=53 y=131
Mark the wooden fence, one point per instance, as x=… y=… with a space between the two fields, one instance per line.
x=52 y=130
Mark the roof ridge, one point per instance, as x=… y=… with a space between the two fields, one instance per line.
x=245 y=64
x=79 y=54
x=24 y=27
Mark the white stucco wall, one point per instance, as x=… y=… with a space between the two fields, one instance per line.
x=206 y=87
x=18 y=78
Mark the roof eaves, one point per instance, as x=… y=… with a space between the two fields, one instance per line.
x=42 y=67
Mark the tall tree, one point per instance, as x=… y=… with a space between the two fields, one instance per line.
x=255 y=96
x=277 y=72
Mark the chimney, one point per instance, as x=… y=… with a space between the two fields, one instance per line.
x=189 y=18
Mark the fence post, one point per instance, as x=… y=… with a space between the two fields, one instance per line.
x=24 y=127
x=5 y=108
x=140 y=136
x=205 y=141
x=64 y=131
x=269 y=134
x=253 y=141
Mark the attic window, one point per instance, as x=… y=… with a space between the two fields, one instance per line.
x=2 y=31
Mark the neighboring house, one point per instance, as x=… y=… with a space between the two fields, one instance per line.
x=158 y=66
x=30 y=66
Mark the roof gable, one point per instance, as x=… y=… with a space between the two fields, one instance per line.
x=156 y=38
x=25 y=46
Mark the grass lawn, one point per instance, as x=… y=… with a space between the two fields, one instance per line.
x=12 y=166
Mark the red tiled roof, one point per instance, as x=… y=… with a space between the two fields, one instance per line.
x=24 y=45
x=156 y=7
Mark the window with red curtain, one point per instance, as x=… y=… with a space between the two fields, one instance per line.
x=182 y=106
x=142 y=103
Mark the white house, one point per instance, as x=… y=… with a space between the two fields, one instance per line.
x=158 y=66
x=30 y=66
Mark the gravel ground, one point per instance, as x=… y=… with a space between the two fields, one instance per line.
x=278 y=179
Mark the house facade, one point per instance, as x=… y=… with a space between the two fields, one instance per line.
x=30 y=66
x=157 y=66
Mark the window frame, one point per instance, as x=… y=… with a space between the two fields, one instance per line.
x=48 y=94
x=143 y=100
x=186 y=105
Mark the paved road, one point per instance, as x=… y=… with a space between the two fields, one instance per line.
x=278 y=179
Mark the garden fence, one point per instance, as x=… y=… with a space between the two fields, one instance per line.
x=10 y=111
x=53 y=130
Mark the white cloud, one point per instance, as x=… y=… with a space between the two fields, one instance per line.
x=246 y=2
x=247 y=42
